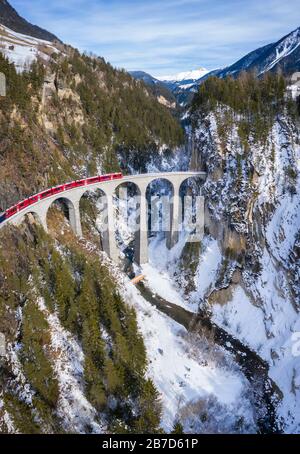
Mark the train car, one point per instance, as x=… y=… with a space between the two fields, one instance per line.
x=105 y=178
x=45 y=194
x=100 y=178
x=23 y=204
x=58 y=189
x=93 y=180
x=79 y=183
x=33 y=199
x=11 y=211
x=27 y=202
x=70 y=185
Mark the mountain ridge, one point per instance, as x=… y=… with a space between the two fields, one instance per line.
x=282 y=55
x=11 y=19
x=185 y=75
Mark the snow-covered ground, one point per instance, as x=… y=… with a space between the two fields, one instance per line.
x=273 y=334
x=179 y=374
x=22 y=50
x=163 y=265
x=74 y=409
x=206 y=273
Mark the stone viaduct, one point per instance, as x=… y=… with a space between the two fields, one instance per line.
x=72 y=199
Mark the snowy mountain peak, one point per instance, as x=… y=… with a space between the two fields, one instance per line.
x=187 y=75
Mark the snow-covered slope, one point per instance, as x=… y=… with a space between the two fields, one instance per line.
x=192 y=378
x=185 y=76
x=184 y=84
x=283 y=55
x=254 y=293
x=22 y=50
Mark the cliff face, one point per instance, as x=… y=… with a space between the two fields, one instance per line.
x=248 y=271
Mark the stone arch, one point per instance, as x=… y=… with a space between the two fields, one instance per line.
x=127 y=206
x=69 y=209
x=31 y=216
x=156 y=183
x=192 y=201
x=159 y=193
x=133 y=186
x=185 y=183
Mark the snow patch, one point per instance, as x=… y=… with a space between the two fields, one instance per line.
x=73 y=407
x=178 y=376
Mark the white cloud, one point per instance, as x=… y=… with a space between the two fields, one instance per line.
x=168 y=35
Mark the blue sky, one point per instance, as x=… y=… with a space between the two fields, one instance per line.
x=165 y=36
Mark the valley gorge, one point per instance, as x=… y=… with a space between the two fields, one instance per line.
x=206 y=342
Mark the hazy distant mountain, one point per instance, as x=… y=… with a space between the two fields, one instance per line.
x=11 y=19
x=181 y=86
x=147 y=78
x=159 y=88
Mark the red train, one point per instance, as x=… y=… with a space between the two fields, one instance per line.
x=49 y=192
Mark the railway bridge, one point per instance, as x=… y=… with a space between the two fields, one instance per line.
x=72 y=197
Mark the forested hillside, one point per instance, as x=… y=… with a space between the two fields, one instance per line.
x=76 y=361
x=76 y=116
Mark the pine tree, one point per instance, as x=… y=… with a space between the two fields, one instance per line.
x=37 y=365
x=177 y=428
x=149 y=409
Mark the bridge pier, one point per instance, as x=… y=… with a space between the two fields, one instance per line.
x=141 y=234
x=175 y=219
x=74 y=217
x=42 y=214
x=109 y=243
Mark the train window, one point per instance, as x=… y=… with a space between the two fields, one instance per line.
x=80 y=183
x=58 y=189
x=33 y=199
x=46 y=194
x=23 y=204
x=93 y=180
x=11 y=211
